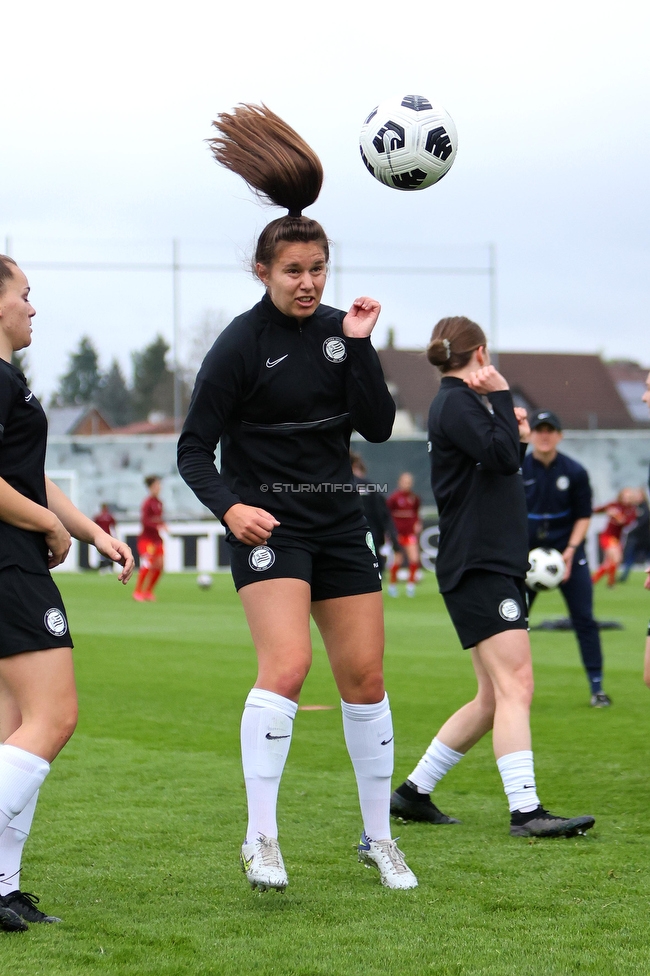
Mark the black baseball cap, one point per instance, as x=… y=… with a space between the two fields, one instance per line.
x=544 y=417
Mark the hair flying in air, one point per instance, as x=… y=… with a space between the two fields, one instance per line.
x=453 y=341
x=279 y=167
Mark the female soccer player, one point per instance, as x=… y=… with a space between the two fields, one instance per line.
x=150 y=543
x=282 y=388
x=38 y=702
x=404 y=507
x=621 y=512
x=481 y=566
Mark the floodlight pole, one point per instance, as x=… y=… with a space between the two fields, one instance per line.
x=176 y=316
x=492 y=272
x=8 y=246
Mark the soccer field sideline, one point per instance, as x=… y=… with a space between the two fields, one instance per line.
x=137 y=834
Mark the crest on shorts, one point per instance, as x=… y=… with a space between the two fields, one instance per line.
x=510 y=610
x=370 y=542
x=55 y=622
x=261 y=558
x=334 y=349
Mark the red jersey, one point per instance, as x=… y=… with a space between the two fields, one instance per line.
x=151 y=516
x=404 y=506
x=619 y=517
x=105 y=521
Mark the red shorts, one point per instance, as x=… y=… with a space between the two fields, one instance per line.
x=149 y=551
x=608 y=541
x=408 y=540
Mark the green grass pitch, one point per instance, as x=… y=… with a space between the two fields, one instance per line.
x=137 y=834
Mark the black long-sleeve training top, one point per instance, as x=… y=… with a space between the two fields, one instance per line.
x=475 y=475
x=283 y=397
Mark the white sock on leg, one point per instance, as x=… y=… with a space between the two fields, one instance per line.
x=368 y=731
x=266 y=727
x=437 y=760
x=21 y=774
x=518 y=775
x=12 y=841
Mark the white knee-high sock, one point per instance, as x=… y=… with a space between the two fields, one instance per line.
x=266 y=727
x=518 y=776
x=368 y=731
x=12 y=841
x=437 y=760
x=21 y=774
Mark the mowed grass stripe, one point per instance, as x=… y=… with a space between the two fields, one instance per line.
x=138 y=829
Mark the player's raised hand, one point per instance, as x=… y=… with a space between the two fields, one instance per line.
x=362 y=318
x=521 y=416
x=116 y=550
x=252 y=526
x=486 y=380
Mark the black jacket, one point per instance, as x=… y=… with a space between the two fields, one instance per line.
x=475 y=476
x=283 y=396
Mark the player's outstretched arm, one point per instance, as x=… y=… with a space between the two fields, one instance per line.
x=81 y=527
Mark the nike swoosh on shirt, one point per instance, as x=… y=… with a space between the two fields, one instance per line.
x=269 y=736
x=275 y=362
x=386 y=741
x=28 y=398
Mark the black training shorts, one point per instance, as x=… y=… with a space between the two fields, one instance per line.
x=333 y=565
x=32 y=614
x=485 y=603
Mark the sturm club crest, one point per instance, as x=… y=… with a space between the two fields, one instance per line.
x=334 y=349
x=562 y=483
x=261 y=558
x=55 y=622
x=509 y=610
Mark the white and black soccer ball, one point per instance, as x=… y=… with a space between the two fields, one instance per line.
x=204 y=581
x=408 y=142
x=546 y=569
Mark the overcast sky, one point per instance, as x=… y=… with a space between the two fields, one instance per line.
x=105 y=110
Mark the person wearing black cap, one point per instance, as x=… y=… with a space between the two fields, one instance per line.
x=558 y=498
x=282 y=389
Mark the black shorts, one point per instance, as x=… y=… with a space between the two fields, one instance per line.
x=333 y=565
x=32 y=614
x=484 y=604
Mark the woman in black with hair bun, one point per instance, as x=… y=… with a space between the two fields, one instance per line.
x=476 y=446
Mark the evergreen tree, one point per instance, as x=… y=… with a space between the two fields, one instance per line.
x=19 y=360
x=81 y=382
x=153 y=382
x=114 y=398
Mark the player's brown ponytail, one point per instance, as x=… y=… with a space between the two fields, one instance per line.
x=279 y=166
x=453 y=341
x=7 y=266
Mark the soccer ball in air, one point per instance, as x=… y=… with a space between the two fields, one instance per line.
x=408 y=142
x=546 y=569
x=204 y=581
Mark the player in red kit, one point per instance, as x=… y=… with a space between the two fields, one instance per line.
x=150 y=544
x=622 y=513
x=104 y=519
x=404 y=506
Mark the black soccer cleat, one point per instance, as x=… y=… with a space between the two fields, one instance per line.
x=23 y=904
x=407 y=804
x=10 y=921
x=600 y=700
x=541 y=823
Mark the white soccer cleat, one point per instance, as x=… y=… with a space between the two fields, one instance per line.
x=261 y=862
x=410 y=589
x=392 y=589
x=386 y=856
